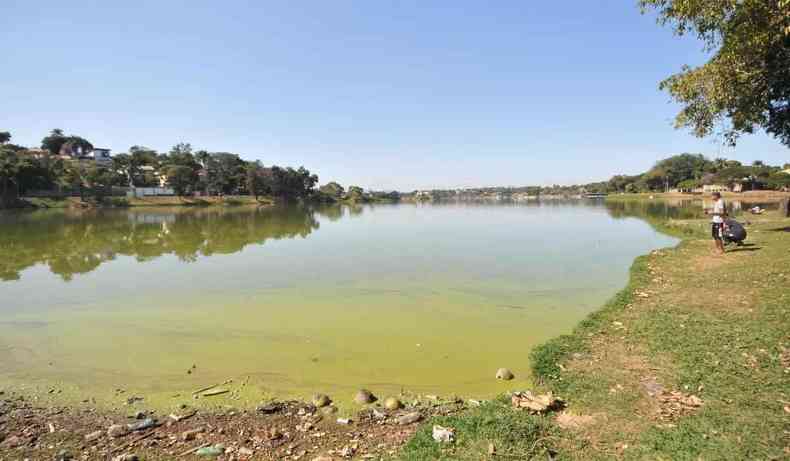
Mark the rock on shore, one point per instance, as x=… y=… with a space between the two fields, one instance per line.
x=364 y=397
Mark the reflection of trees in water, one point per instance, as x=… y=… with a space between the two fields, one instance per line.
x=331 y=212
x=334 y=212
x=654 y=210
x=78 y=242
x=659 y=210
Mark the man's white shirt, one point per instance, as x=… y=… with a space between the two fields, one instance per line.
x=718 y=211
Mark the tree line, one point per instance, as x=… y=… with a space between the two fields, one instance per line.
x=684 y=172
x=690 y=171
x=184 y=169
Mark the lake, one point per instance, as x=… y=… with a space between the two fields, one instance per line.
x=292 y=300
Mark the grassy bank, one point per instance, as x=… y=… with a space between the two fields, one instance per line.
x=690 y=325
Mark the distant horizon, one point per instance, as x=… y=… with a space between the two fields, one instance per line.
x=404 y=97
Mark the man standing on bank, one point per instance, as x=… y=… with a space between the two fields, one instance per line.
x=719 y=213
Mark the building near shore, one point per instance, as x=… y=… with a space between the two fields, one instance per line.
x=711 y=188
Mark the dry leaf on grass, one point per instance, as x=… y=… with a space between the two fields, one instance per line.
x=542 y=403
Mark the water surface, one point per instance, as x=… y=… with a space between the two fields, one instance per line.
x=293 y=300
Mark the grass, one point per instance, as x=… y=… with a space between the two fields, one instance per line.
x=716 y=327
x=512 y=433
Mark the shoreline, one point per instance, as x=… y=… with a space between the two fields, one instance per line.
x=554 y=365
x=34 y=203
x=244 y=200
x=689 y=361
x=223 y=411
x=275 y=429
x=749 y=196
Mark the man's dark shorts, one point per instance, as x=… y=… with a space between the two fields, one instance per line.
x=717 y=230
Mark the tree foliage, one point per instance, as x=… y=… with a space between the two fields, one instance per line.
x=181 y=178
x=355 y=194
x=332 y=190
x=56 y=139
x=746 y=83
x=255 y=177
x=689 y=171
x=182 y=168
x=9 y=169
x=224 y=173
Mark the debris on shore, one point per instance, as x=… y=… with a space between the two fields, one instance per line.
x=274 y=430
x=542 y=403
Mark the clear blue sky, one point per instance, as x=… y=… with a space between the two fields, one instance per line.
x=389 y=95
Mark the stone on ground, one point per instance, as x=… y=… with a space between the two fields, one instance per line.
x=392 y=404
x=321 y=400
x=364 y=397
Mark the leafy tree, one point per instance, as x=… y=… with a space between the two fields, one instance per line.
x=224 y=172
x=72 y=177
x=79 y=144
x=5 y=136
x=619 y=183
x=181 y=154
x=668 y=172
x=9 y=169
x=203 y=157
x=180 y=168
x=57 y=139
x=98 y=177
x=307 y=181
x=688 y=184
x=54 y=141
x=289 y=183
x=143 y=155
x=745 y=84
x=122 y=163
x=333 y=190
x=255 y=177
x=355 y=194
x=182 y=179
x=33 y=173
x=733 y=175
x=129 y=165
x=778 y=180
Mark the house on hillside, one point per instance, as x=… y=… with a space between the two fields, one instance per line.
x=151 y=172
x=71 y=151
x=100 y=156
